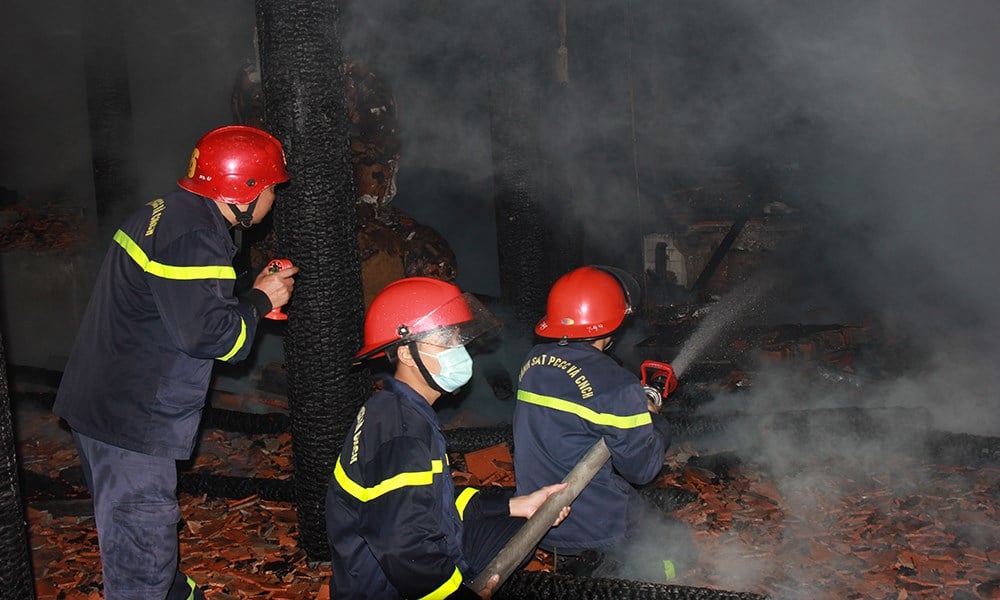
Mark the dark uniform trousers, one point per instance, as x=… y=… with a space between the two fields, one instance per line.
x=135 y=507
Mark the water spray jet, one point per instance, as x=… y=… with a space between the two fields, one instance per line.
x=722 y=316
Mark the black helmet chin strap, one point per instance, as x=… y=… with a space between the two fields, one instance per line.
x=245 y=219
x=415 y=353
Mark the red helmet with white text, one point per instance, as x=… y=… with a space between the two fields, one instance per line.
x=234 y=164
x=419 y=308
x=588 y=303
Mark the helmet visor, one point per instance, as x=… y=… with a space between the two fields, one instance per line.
x=457 y=322
x=630 y=285
x=454 y=323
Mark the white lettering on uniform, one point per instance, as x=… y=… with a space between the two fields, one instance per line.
x=357 y=435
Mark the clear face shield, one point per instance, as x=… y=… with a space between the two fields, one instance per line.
x=630 y=285
x=455 y=323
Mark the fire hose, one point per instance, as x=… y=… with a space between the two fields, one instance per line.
x=525 y=540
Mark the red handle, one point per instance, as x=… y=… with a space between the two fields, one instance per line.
x=652 y=369
x=277 y=264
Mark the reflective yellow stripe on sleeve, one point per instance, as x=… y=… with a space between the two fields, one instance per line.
x=607 y=419
x=391 y=484
x=463 y=500
x=446 y=588
x=191 y=584
x=240 y=340
x=171 y=271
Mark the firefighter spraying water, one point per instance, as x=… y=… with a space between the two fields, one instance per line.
x=658 y=381
x=577 y=408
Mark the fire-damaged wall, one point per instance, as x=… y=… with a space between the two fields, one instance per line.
x=715 y=231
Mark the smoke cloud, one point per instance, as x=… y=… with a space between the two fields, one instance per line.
x=882 y=123
x=881 y=118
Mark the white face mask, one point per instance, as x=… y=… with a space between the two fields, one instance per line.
x=456 y=368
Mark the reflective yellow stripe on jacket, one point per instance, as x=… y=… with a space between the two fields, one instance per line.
x=399 y=481
x=447 y=588
x=607 y=419
x=191 y=584
x=463 y=500
x=182 y=274
x=171 y=271
x=391 y=484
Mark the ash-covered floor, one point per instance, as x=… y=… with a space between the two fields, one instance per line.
x=848 y=496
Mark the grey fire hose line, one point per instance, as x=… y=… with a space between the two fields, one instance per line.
x=525 y=540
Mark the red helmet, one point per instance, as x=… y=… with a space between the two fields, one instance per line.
x=414 y=308
x=234 y=164
x=587 y=303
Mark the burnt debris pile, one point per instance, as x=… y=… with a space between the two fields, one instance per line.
x=797 y=478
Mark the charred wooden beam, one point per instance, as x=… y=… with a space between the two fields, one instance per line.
x=244 y=422
x=225 y=486
x=963 y=449
x=467 y=439
x=530 y=585
x=720 y=253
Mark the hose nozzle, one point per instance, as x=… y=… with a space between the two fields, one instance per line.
x=658 y=381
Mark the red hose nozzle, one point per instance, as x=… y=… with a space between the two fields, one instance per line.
x=658 y=380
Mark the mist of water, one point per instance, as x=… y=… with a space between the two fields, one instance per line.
x=722 y=317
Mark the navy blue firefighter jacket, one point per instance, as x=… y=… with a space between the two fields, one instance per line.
x=393 y=520
x=568 y=398
x=162 y=310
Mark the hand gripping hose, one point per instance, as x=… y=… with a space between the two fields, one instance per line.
x=525 y=540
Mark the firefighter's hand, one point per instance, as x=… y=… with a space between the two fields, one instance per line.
x=525 y=506
x=277 y=285
x=491 y=586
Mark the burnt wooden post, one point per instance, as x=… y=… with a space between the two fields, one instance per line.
x=16 y=582
x=520 y=215
x=538 y=229
x=109 y=109
x=316 y=227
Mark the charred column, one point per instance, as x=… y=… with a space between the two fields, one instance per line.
x=16 y=581
x=316 y=227
x=520 y=215
x=566 y=237
x=109 y=108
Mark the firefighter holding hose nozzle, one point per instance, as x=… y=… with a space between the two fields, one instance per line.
x=162 y=311
x=396 y=527
x=570 y=395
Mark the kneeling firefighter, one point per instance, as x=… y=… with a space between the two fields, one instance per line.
x=395 y=524
x=571 y=394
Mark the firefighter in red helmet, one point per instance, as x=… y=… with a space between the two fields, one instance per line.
x=162 y=311
x=237 y=166
x=570 y=394
x=395 y=524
